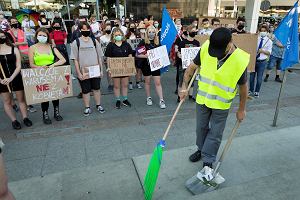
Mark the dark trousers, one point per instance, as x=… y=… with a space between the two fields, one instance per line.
x=258 y=74
x=210 y=127
x=45 y=105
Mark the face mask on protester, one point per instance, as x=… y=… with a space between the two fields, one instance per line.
x=57 y=27
x=86 y=33
x=108 y=32
x=263 y=34
x=1 y=16
x=42 y=39
x=2 y=40
x=241 y=27
x=151 y=36
x=143 y=30
x=132 y=30
x=15 y=25
x=192 y=34
x=185 y=33
x=178 y=27
x=156 y=25
x=206 y=26
x=118 y=38
x=43 y=16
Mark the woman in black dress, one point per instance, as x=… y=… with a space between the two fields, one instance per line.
x=44 y=22
x=10 y=60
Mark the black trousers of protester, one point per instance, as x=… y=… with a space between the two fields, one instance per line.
x=63 y=50
x=177 y=74
x=45 y=105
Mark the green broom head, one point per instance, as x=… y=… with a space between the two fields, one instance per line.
x=153 y=170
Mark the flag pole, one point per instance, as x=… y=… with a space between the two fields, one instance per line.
x=279 y=99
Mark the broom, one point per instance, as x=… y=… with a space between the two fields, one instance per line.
x=2 y=71
x=155 y=162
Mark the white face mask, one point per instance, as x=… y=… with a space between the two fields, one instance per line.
x=263 y=34
x=143 y=31
x=42 y=39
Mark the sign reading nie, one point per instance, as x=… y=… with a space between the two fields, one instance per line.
x=47 y=84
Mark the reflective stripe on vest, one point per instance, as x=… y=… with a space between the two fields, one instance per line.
x=218 y=86
x=213 y=97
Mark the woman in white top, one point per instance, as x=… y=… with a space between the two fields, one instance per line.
x=95 y=27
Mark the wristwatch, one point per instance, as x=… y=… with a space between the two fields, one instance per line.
x=1 y=145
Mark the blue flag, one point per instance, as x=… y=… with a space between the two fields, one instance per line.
x=168 y=32
x=287 y=34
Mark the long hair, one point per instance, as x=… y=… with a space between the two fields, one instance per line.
x=44 y=30
x=128 y=31
x=156 y=39
x=8 y=42
x=115 y=30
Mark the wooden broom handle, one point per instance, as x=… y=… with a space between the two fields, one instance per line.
x=2 y=71
x=178 y=107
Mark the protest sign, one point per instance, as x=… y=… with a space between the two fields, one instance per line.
x=92 y=71
x=47 y=84
x=121 y=67
x=188 y=55
x=246 y=42
x=158 y=58
x=134 y=42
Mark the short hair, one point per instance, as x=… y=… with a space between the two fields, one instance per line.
x=240 y=19
x=81 y=24
x=44 y=30
x=213 y=20
x=205 y=20
x=264 y=26
x=115 y=30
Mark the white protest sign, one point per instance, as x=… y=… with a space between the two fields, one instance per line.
x=94 y=71
x=158 y=58
x=188 y=55
x=47 y=84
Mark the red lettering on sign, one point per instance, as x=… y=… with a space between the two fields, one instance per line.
x=41 y=88
x=66 y=90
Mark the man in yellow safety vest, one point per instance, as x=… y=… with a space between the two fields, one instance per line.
x=222 y=66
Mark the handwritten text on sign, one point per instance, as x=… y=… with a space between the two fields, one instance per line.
x=188 y=55
x=134 y=42
x=158 y=58
x=47 y=84
x=121 y=67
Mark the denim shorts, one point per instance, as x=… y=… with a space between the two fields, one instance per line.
x=274 y=61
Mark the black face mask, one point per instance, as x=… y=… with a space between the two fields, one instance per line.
x=2 y=40
x=116 y=25
x=86 y=33
x=192 y=34
x=185 y=33
x=14 y=25
x=57 y=27
x=43 y=16
x=132 y=30
x=108 y=31
x=241 y=27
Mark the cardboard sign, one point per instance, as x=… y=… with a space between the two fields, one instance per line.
x=188 y=55
x=158 y=58
x=246 y=42
x=92 y=71
x=134 y=42
x=47 y=84
x=121 y=67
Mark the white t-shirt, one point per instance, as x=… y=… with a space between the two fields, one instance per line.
x=105 y=39
x=28 y=27
x=267 y=45
x=96 y=29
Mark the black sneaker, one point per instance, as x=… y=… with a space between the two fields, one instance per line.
x=207 y=165
x=57 y=116
x=118 y=104
x=277 y=79
x=79 y=96
x=46 y=118
x=266 y=79
x=195 y=157
x=15 y=107
x=16 y=125
x=27 y=122
x=126 y=103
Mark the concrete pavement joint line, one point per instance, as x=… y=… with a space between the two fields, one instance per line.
x=137 y=174
x=50 y=130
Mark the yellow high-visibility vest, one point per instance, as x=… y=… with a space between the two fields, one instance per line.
x=217 y=87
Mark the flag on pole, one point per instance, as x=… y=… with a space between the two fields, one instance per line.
x=287 y=34
x=152 y=172
x=168 y=32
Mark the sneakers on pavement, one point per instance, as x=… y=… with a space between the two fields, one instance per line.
x=195 y=157
x=126 y=103
x=31 y=109
x=16 y=125
x=207 y=165
x=46 y=118
x=87 y=111
x=27 y=122
x=149 y=101
x=100 y=109
x=118 y=104
x=139 y=86
x=277 y=79
x=162 y=104
x=256 y=94
x=130 y=86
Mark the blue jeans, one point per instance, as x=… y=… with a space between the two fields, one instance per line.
x=259 y=72
x=274 y=61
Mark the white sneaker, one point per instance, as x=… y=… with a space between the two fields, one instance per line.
x=100 y=109
x=149 y=101
x=130 y=86
x=162 y=104
x=87 y=112
x=256 y=95
x=139 y=86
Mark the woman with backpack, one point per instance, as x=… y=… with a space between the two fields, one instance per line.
x=43 y=55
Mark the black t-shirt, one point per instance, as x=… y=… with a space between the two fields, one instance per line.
x=147 y=47
x=112 y=50
x=238 y=32
x=241 y=81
